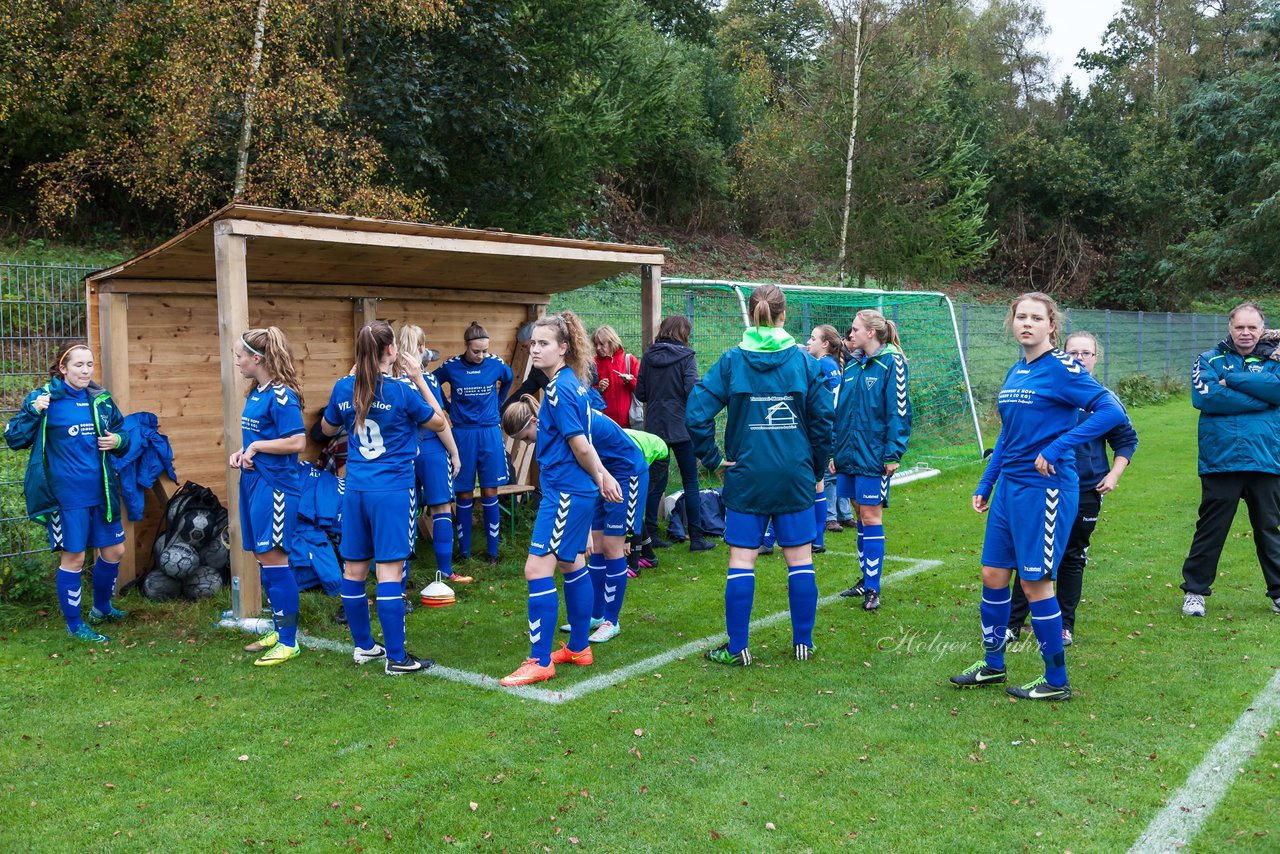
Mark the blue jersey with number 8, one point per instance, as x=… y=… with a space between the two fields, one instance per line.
x=381 y=454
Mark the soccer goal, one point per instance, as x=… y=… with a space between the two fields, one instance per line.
x=945 y=427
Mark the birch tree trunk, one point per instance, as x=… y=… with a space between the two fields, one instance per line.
x=250 y=92
x=853 y=140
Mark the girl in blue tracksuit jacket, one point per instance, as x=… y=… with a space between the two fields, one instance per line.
x=873 y=426
x=571 y=477
x=1032 y=471
x=777 y=445
x=272 y=435
x=71 y=424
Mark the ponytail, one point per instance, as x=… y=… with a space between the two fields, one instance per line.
x=516 y=416
x=371 y=342
x=569 y=330
x=831 y=342
x=886 y=330
x=474 y=331
x=767 y=305
x=271 y=345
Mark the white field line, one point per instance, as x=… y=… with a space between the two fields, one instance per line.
x=595 y=683
x=1193 y=803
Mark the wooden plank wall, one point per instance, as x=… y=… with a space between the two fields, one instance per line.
x=174 y=370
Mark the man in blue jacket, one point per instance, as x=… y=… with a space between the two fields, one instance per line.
x=1236 y=387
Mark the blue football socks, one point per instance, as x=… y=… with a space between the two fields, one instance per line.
x=492 y=514
x=68 y=584
x=442 y=541
x=390 y=604
x=105 y=574
x=739 y=594
x=284 y=601
x=544 y=605
x=820 y=517
x=578 y=597
x=356 y=607
x=463 y=522
x=615 y=587
x=595 y=566
x=1046 y=620
x=873 y=555
x=996 y=603
x=802 y=594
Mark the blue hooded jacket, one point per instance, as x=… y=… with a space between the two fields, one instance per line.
x=27 y=430
x=873 y=413
x=1240 y=421
x=778 y=432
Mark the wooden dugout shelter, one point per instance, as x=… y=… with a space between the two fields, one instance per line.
x=164 y=323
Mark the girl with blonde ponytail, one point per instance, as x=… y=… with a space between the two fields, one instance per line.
x=571 y=477
x=777 y=444
x=873 y=426
x=273 y=434
x=382 y=414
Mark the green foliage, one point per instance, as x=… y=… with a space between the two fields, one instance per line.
x=1141 y=390
x=1233 y=125
x=25 y=579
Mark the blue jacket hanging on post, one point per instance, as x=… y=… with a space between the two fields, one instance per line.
x=319 y=511
x=27 y=430
x=873 y=413
x=148 y=456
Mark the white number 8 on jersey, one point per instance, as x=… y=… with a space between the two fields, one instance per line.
x=370 y=442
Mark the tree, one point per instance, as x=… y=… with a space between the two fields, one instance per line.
x=162 y=88
x=1234 y=126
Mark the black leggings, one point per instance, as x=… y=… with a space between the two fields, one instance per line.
x=688 y=463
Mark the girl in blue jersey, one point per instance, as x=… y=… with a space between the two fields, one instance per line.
x=1032 y=471
x=873 y=425
x=777 y=445
x=71 y=424
x=1098 y=477
x=570 y=477
x=272 y=434
x=437 y=455
x=382 y=414
x=622 y=458
x=824 y=344
x=476 y=380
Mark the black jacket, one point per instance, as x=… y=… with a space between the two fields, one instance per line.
x=668 y=372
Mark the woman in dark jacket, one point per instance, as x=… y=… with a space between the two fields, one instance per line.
x=668 y=372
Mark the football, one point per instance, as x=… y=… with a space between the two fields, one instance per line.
x=160 y=587
x=179 y=561
x=203 y=583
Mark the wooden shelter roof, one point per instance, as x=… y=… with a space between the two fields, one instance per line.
x=297 y=247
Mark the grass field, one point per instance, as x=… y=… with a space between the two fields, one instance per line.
x=167 y=739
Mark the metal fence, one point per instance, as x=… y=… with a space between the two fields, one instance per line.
x=41 y=306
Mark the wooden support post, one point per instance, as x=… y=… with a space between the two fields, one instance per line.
x=229 y=254
x=650 y=302
x=113 y=350
x=364 y=311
